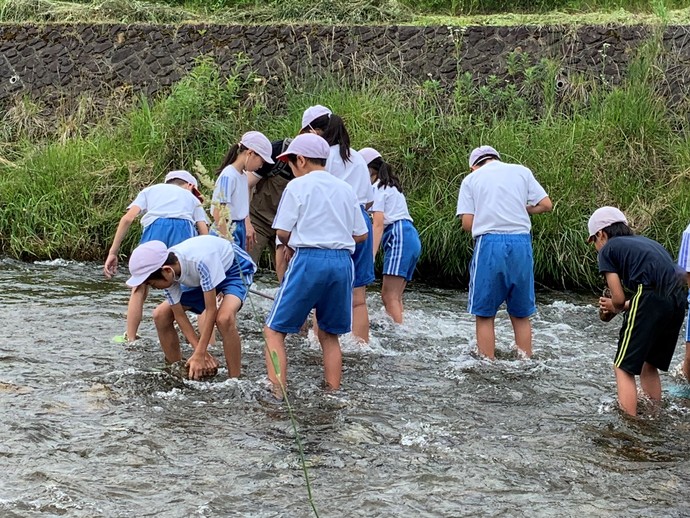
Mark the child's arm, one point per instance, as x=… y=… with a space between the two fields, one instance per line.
x=199 y=363
x=378 y=230
x=617 y=302
x=184 y=324
x=110 y=267
x=202 y=228
x=467 y=221
x=250 y=233
x=544 y=205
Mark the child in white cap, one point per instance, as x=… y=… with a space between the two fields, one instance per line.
x=393 y=229
x=320 y=219
x=231 y=193
x=655 y=313
x=495 y=203
x=348 y=165
x=684 y=263
x=192 y=273
x=171 y=211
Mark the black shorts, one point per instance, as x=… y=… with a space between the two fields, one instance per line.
x=650 y=331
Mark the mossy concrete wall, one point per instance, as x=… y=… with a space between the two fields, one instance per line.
x=42 y=60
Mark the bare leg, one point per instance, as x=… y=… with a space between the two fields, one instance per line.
x=360 y=315
x=135 y=310
x=392 y=295
x=281 y=263
x=332 y=359
x=627 y=391
x=522 y=328
x=275 y=343
x=486 y=337
x=650 y=382
x=170 y=343
x=686 y=361
x=227 y=325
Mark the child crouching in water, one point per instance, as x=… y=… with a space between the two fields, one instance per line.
x=319 y=217
x=654 y=314
x=192 y=273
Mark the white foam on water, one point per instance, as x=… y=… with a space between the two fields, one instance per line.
x=174 y=394
x=58 y=262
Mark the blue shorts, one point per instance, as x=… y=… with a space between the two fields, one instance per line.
x=364 y=256
x=240 y=233
x=172 y=231
x=502 y=270
x=401 y=249
x=234 y=284
x=316 y=278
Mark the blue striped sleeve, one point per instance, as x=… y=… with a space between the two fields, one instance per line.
x=684 y=254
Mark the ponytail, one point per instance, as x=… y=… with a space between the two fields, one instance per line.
x=231 y=156
x=336 y=135
x=385 y=175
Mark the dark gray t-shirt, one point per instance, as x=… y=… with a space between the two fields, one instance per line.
x=640 y=260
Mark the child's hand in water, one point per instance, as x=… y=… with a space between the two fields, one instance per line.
x=110 y=266
x=606 y=309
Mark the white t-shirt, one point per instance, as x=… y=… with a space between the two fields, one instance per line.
x=320 y=211
x=497 y=194
x=391 y=202
x=165 y=200
x=355 y=172
x=203 y=263
x=232 y=188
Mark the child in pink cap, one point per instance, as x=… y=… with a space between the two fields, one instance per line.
x=232 y=188
x=655 y=312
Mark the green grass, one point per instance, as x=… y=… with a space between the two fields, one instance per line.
x=426 y=12
x=64 y=185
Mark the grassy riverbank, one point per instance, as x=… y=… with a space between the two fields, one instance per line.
x=69 y=169
x=427 y=12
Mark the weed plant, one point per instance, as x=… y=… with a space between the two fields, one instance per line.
x=63 y=192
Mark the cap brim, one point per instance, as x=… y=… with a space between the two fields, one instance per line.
x=283 y=157
x=268 y=160
x=134 y=281
x=198 y=195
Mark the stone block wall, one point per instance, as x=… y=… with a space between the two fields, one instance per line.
x=41 y=60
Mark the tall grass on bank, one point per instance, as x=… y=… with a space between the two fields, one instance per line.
x=425 y=12
x=589 y=144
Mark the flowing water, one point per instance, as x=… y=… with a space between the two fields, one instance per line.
x=421 y=428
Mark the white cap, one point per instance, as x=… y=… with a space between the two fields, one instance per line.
x=481 y=152
x=602 y=218
x=312 y=113
x=146 y=259
x=308 y=145
x=185 y=176
x=369 y=154
x=259 y=143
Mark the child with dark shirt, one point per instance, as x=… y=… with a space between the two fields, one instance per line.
x=653 y=315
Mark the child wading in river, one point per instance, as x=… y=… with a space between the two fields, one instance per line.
x=655 y=312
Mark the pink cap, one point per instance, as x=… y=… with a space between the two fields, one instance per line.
x=308 y=145
x=312 y=113
x=481 y=152
x=146 y=259
x=185 y=176
x=259 y=143
x=602 y=218
x=369 y=154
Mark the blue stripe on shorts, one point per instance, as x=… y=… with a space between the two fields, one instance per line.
x=364 y=256
x=315 y=278
x=171 y=231
x=240 y=233
x=502 y=270
x=401 y=249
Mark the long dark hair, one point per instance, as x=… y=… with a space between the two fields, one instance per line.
x=333 y=131
x=385 y=174
x=231 y=156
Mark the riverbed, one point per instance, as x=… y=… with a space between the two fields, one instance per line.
x=421 y=427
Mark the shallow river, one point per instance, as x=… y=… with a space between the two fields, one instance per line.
x=422 y=428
